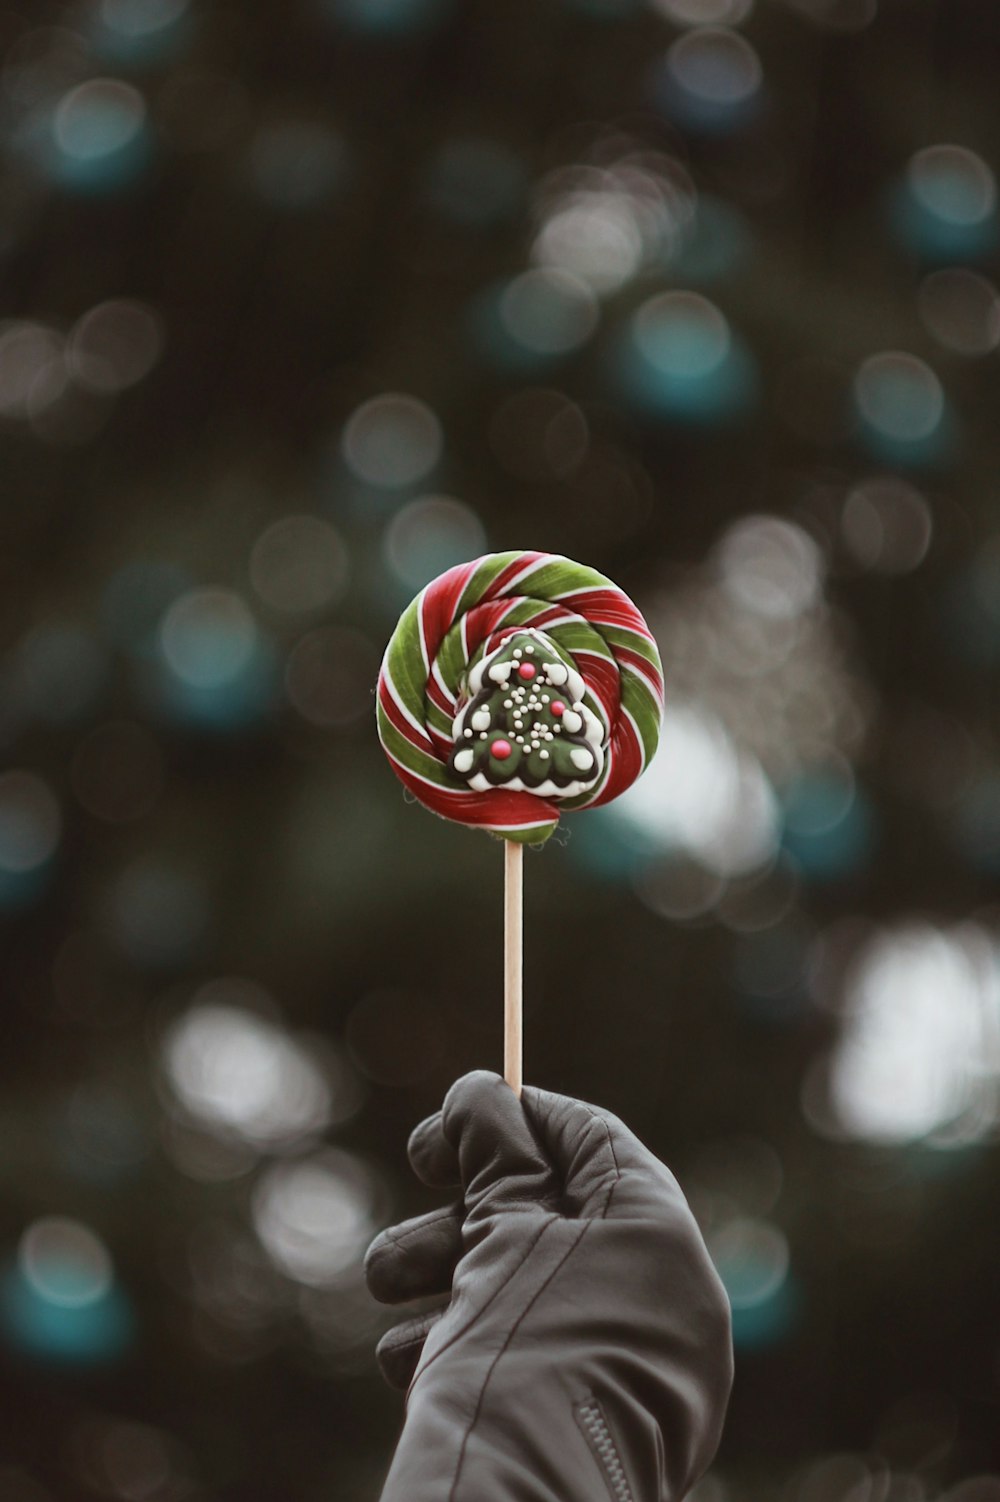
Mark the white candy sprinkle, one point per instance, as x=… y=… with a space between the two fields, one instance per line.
x=557 y=730
x=544 y=754
x=483 y=736
x=548 y=735
x=529 y=649
x=545 y=698
x=508 y=704
x=517 y=651
x=469 y=734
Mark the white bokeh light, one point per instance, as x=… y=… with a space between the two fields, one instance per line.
x=704 y=796
x=238 y=1072
x=771 y=566
x=920 y=1052
x=315 y=1217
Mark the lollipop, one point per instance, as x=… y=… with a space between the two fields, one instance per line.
x=516 y=687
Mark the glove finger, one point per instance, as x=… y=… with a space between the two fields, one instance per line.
x=606 y=1170
x=399 y=1350
x=432 y=1157
x=416 y=1258
x=502 y=1165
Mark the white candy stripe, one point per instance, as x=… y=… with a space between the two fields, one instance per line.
x=420 y=630
x=526 y=573
x=457 y=792
x=654 y=688
x=407 y=714
x=442 y=685
x=638 y=739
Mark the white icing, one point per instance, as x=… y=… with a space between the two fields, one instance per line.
x=575 y=686
x=556 y=674
x=481 y=719
x=546 y=789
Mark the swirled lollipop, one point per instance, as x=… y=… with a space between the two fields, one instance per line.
x=514 y=687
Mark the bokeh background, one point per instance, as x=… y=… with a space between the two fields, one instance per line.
x=304 y=301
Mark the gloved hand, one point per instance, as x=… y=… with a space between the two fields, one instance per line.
x=585 y=1351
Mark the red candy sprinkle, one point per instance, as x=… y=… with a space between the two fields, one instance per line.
x=501 y=750
x=558 y=708
x=526 y=670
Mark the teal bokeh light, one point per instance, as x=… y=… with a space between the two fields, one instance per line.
x=945 y=207
x=710 y=82
x=99 y=138
x=216 y=670
x=30 y=831
x=533 y=322
x=902 y=411
x=828 y=827
x=752 y=1258
x=60 y=1300
x=679 y=359
x=142 y=33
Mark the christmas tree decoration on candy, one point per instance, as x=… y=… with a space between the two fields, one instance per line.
x=514 y=688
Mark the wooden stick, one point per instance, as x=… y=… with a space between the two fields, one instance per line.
x=512 y=968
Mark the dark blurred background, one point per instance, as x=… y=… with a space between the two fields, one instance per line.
x=304 y=301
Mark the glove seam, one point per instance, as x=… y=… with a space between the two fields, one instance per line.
x=614 y=1158
x=478 y=1313
x=393 y=1237
x=453 y=1494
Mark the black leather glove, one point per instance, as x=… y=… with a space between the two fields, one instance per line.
x=585 y=1351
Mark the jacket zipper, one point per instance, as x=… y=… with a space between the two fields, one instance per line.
x=595 y=1427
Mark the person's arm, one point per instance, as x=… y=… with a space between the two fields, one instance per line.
x=585 y=1350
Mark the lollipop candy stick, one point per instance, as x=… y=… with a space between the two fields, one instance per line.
x=512 y=966
x=516 y=686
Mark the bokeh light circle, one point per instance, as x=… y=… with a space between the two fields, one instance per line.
x=65 y=1262
x=30 y=822
x=315 y=1216
x=682 y=334
x=899 y=396
x=329 y=676
x=887 y=524
x=548 y=312
x=711 y=80
x=430 y=535
x=953 y=184
x=208 y=637
x=114 y=345
x=299 y=565
x=962 y=311
x=392 y=441
x=704 y=12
